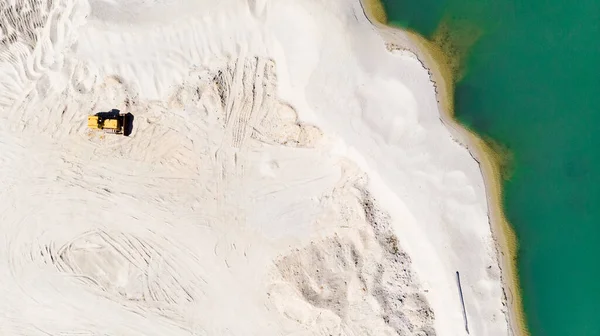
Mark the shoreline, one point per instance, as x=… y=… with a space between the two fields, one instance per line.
x=503 y=234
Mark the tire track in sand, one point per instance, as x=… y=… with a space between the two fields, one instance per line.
x=241 y=88
x=33 y=37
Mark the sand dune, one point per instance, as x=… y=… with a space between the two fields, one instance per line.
x=287 y=174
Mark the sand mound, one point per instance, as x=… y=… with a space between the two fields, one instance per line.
x=357 y=281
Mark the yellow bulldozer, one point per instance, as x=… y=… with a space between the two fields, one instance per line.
x=113 y=122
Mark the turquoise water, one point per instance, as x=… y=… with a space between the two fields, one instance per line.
x=532 y=83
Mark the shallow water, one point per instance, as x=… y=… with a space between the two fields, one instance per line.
x=531 y=82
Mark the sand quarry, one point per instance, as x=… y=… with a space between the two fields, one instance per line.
x=287 y=174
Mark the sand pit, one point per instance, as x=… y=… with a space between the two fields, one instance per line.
x=287 y=175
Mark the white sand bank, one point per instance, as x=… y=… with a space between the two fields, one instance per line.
x=223 y=214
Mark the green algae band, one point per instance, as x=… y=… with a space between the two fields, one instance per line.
x=525 y=79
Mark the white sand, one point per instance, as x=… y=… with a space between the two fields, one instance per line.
x=223 y=214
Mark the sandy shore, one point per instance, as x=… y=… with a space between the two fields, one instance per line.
x=287 y=174
x=433 y=60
